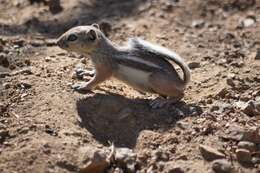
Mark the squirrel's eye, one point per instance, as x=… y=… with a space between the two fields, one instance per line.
x=72 y=37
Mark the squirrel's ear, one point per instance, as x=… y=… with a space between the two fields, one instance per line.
x=92 y=35
x=95 y=25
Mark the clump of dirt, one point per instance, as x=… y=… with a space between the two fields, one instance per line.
x=47 y=127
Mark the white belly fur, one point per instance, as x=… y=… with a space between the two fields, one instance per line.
x=134 y=77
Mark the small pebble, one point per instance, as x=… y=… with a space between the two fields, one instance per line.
x=257 y=56
x=250 y=146
x=249 y=21
x=243 y=155
x=6 y=85
x=210 y=153
x=221 y=166
x=193 y=65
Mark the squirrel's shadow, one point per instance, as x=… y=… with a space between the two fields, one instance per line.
x=115 y=118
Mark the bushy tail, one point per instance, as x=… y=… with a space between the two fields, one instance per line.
x=159 y=51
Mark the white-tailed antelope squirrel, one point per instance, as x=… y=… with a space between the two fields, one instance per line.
x=140 y=64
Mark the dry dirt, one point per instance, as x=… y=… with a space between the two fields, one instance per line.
x=45 y=126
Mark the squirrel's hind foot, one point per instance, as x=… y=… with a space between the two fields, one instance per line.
x=81 y=88
x=161 y=102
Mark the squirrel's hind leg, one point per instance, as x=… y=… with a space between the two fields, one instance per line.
x=160 y=102
x=166 y=84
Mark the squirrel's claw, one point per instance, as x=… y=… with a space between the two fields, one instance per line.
x=81 y=87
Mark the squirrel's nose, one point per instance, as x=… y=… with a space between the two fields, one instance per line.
x=58 y=42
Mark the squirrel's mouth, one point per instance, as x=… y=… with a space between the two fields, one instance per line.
x=62 y=44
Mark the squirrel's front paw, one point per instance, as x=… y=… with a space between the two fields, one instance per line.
x=81 y=87
x=83 y=74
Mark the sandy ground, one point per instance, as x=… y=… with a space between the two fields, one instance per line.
x=47 y=127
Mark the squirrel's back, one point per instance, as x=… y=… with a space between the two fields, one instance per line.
x=148 y=49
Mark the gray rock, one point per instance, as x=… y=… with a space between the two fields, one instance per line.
x=168 y=6
x=3 y=135
x=257 y=94
x=245 y=98
x=61 y=54
x=249 y=21
x=83 y=60
x=222 y=93
x=237 y=64
x=238 y=133
x=36 y=43
x=55 y=6
x=243 y=155
x=6 y=85
x=174 y=167
x=25 y=85
x=257 y=56
x=25 y=71
x=222 y=61
x=96 y=160
x=4 y=60
x=160 y=155
x=256 y=160
x=220 y=106
x=251 y=108
x=19 y=42
x=2 y=107
x=126 y=158
x=4 y=74
x=230 y=82
x=250 y=146
x=1 y=47
x=47 y=59
x=67 y=165
x=193 y=65
x=221 y=166
x=198 y=23
x=115 y=170
x=210 y=153
x=50 y=42
x=183 y=125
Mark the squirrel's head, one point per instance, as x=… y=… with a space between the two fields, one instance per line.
x=81 y=39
